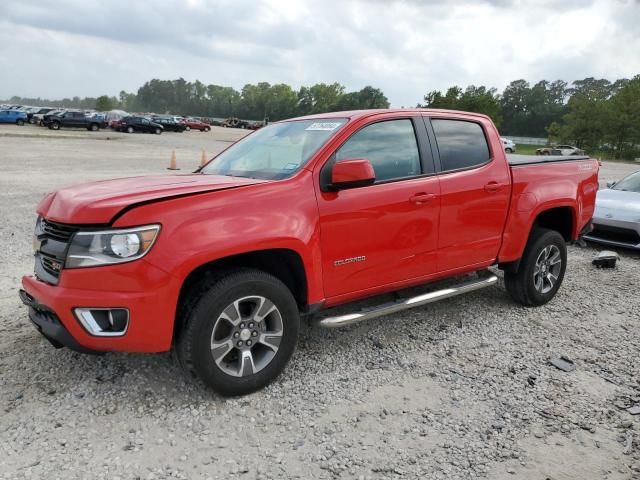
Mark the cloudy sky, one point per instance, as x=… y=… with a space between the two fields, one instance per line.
x=64 y=48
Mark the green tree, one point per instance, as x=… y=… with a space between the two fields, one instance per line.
x=105 y=103
x=472 y=99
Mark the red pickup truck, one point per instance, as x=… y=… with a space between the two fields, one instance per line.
x=294 y=219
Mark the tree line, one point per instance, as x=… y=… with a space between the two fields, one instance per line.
x=594 y=114
x=252 y=102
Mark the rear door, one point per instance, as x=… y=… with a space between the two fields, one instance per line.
x=475 y=186
x=384 y=233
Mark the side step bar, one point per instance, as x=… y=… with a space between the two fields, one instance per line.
x=417 y=301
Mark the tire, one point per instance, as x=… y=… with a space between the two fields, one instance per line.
x=529 y=286
x=206 y=129
x=55 y=125
x=188 y=129
x=237 y=372
x=129 y=129
x=20 y=122
x=545 y=153
x=93 y=127
x=158 y=131
x=508 y=150
x=32 y=121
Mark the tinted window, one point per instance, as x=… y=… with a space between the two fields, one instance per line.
x=461 y=144
x=390 y=146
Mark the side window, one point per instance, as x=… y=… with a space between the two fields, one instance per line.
x=145 y=121
x=390 y=146
x=461 y=144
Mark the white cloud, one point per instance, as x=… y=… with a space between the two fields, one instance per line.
x=407 y=48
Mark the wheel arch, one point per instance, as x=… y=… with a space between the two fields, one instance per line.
x=285 y=264
x=562 y=219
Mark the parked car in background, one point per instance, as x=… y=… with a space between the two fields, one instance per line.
x=194 y=124
x=35 y=116
x=564 y=150
x=133 y=124
x=71 y=119
x=169 y=124
x=616 y=220
x=235 y=122
x=222 y=263
x=509 y=145
x=100 y=118
x=13 y=116
x=42 y=119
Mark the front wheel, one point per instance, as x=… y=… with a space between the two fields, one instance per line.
x=158 y=131
x=188 y=128
x=93 y=127
x=206 y=129
x=508 y=150
x=55 y=126
x=541 y=269
x=20 y=122
x=129 y=129
x=239 y=331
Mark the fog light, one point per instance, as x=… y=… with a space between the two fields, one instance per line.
x=104 y=322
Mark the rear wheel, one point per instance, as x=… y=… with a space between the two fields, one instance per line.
x=545 y=152
x=129 y=129
x=541 y=269
x=93 y=127
x=188 y=128
x=158 y=131
x=20 y=122
x=239 y=331
x=206 y=129
x=508 y=150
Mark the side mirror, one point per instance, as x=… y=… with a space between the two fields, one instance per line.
x=352 y=173
x=611 y=184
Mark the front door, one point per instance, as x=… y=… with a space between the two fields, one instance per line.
x=387 y=232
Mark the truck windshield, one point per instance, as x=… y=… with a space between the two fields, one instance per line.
x=276 y=151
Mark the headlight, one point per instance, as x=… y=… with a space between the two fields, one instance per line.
x=106 y=247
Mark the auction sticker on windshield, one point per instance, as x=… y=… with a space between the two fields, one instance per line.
x=324 y=126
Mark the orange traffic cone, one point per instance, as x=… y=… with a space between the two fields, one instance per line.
x=173 y=164
x=203 y=158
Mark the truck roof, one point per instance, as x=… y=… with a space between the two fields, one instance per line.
x=355 y=114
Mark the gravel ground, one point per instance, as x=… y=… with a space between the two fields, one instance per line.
x=456 y=390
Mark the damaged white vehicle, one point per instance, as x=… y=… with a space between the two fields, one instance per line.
x=616 y=220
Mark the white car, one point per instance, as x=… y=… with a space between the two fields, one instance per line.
x=509 y=145
x=616 y=220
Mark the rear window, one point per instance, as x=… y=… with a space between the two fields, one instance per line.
x=461 y=144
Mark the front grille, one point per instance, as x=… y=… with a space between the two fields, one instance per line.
x=615 y=234
x=54 y=241
x=51 y=265
x=58 y=231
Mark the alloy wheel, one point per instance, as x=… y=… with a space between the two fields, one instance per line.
x=547 y=269
x=246 y=336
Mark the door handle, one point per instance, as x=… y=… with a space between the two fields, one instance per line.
x=420 y=198
x=493 y=187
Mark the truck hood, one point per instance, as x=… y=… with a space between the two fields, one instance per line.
x=99 y=202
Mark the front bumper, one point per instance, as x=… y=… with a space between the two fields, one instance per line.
x=48 y=324
x=149 y=293
x=615 y=233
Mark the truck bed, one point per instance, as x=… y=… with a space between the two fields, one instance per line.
x=516 y=160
